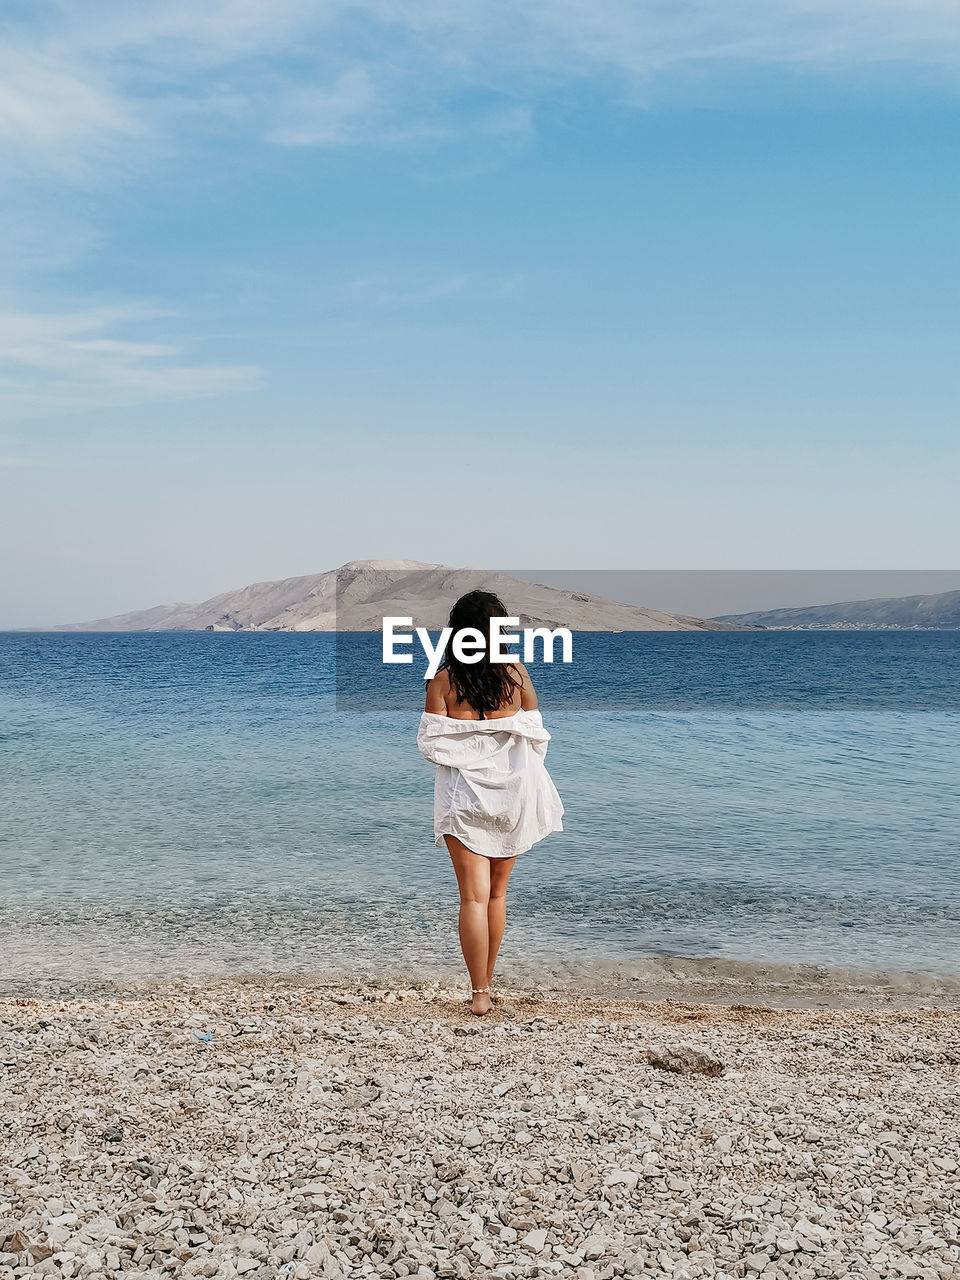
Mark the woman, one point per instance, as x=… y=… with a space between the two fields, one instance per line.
x=493 y=797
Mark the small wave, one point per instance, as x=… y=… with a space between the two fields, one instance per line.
x=687 y=979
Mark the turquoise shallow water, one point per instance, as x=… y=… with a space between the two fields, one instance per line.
x=193 y=803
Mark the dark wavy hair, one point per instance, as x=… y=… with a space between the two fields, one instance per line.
x=483 y=685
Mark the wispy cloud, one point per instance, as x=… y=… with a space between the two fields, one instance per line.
x=57 y=113
x=80 y=80
x=55 y=361
x=325 y=115
x=91 y=94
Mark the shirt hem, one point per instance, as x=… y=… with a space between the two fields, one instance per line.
x=484 y=853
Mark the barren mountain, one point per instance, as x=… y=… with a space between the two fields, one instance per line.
x=357 y=596
x=939 y=612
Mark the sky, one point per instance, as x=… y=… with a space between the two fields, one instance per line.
x=618 y=286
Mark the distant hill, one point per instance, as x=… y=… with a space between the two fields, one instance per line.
x=906 y=613
x=372 y=589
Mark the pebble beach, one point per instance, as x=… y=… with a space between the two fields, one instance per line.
x=271 y=1128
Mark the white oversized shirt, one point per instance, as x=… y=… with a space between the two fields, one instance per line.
x=492 y=789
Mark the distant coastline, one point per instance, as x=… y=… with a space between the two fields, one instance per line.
x=939 y=612
x=851 y=626
x=358 y=595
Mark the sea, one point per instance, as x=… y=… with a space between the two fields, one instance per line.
x=763 y=807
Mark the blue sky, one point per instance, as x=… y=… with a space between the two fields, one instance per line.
x=616 y=286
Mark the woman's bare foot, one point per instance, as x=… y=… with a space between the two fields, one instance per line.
x=481 y=1004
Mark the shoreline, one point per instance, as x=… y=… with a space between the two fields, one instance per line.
x=268 y=1128
x=689 y=979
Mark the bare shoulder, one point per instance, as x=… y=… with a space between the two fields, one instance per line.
x=437 y=690
x=528 y=695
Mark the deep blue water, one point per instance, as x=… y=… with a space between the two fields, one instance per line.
x=196 y=803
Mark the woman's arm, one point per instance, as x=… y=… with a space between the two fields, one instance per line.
x=528 y=695
x=436 y=689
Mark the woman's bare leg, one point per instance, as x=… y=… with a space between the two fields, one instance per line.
x=473 y=879
x=500 y=869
